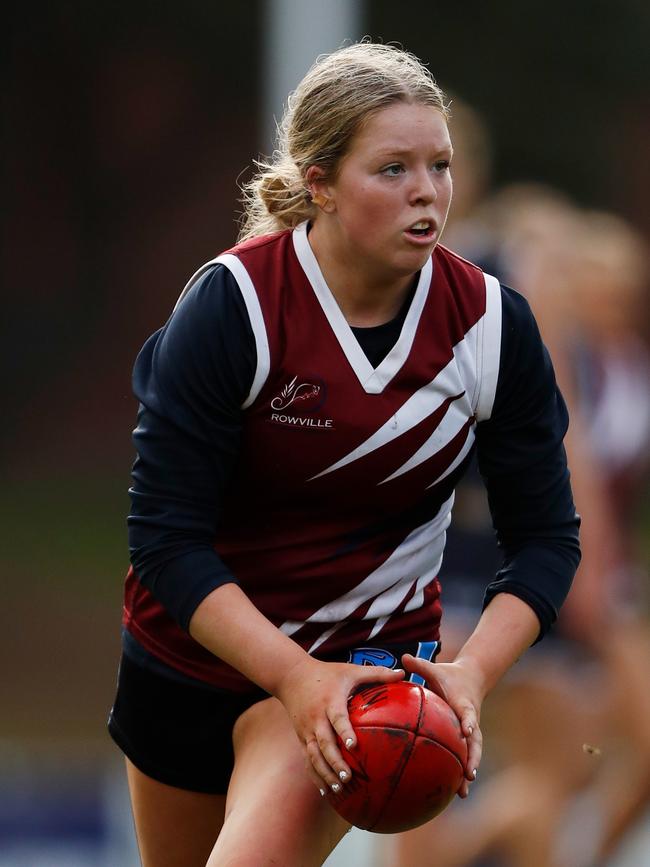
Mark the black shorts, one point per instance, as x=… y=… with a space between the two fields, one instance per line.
x=180 y=733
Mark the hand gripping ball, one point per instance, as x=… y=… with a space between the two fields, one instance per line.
x=408 y=762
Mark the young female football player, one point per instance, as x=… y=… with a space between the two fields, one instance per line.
x=304 y=416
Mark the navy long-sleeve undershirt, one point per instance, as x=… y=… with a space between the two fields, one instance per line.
x=191 y=379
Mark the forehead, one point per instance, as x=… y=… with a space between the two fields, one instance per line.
x=402 y=127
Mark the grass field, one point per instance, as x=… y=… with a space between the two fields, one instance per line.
x=63 y=561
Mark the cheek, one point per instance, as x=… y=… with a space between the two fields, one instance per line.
x=444 y=199
x=448 y=189
x=368 y=206
x=380 y=209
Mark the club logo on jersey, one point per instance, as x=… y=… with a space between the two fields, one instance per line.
x=304 y=393
x=298 y=397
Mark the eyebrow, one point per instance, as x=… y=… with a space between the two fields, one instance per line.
x=396 y=152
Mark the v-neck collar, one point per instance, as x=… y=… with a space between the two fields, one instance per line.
x=372 y=380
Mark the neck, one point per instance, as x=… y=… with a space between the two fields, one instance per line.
x=365 y=297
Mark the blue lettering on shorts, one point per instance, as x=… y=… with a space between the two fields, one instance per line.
x=372 y=656
x=426 y=650
x=380 y=656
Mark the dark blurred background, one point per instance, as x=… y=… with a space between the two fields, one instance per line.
x=126 y=130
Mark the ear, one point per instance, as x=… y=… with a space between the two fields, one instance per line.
x=320 y=189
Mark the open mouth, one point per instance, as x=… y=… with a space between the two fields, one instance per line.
x=423 y=229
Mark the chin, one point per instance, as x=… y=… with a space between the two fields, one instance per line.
x=415 y=260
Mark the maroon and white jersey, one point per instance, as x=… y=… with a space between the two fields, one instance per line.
x=337 y=510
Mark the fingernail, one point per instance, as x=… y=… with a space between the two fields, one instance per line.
x=349 y=743
x=470 y=730
x=474 y=773
x=322 y=792
x=336 y=787
x=343 y=775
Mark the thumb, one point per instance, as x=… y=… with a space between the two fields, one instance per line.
x=378 y=674
x=415 y=664
x=426 y=670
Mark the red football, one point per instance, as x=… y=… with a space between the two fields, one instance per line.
x=408 y=762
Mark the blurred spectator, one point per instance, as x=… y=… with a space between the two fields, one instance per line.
x=611 y=366
x=585 y=275
x=570 y=787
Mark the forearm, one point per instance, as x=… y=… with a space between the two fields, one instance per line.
x=228 y=624
x=314 y=694
x=507 y=627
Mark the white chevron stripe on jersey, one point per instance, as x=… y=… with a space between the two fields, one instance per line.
x=457 y=376
x=393 y=597
x=419 y=555
x=417 y=600
x=379 y=625
x=460 y=457
x=451 y=425
x=325 y=635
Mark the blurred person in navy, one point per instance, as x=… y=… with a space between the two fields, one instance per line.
x=571 y=788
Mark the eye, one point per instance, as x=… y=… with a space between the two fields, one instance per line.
x=393 y=170
x=441 y=166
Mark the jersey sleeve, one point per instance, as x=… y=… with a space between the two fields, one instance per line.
x=191 y=379
x=522 y=460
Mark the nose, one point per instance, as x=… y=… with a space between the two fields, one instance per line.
x=424 y=189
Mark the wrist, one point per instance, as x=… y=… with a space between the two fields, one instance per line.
x=474 y=674
x=291 y=675
x=228 y=624
x=507 y=627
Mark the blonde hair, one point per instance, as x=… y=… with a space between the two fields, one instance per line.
x=338 y=93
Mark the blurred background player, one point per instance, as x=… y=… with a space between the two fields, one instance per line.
x=571 y=788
